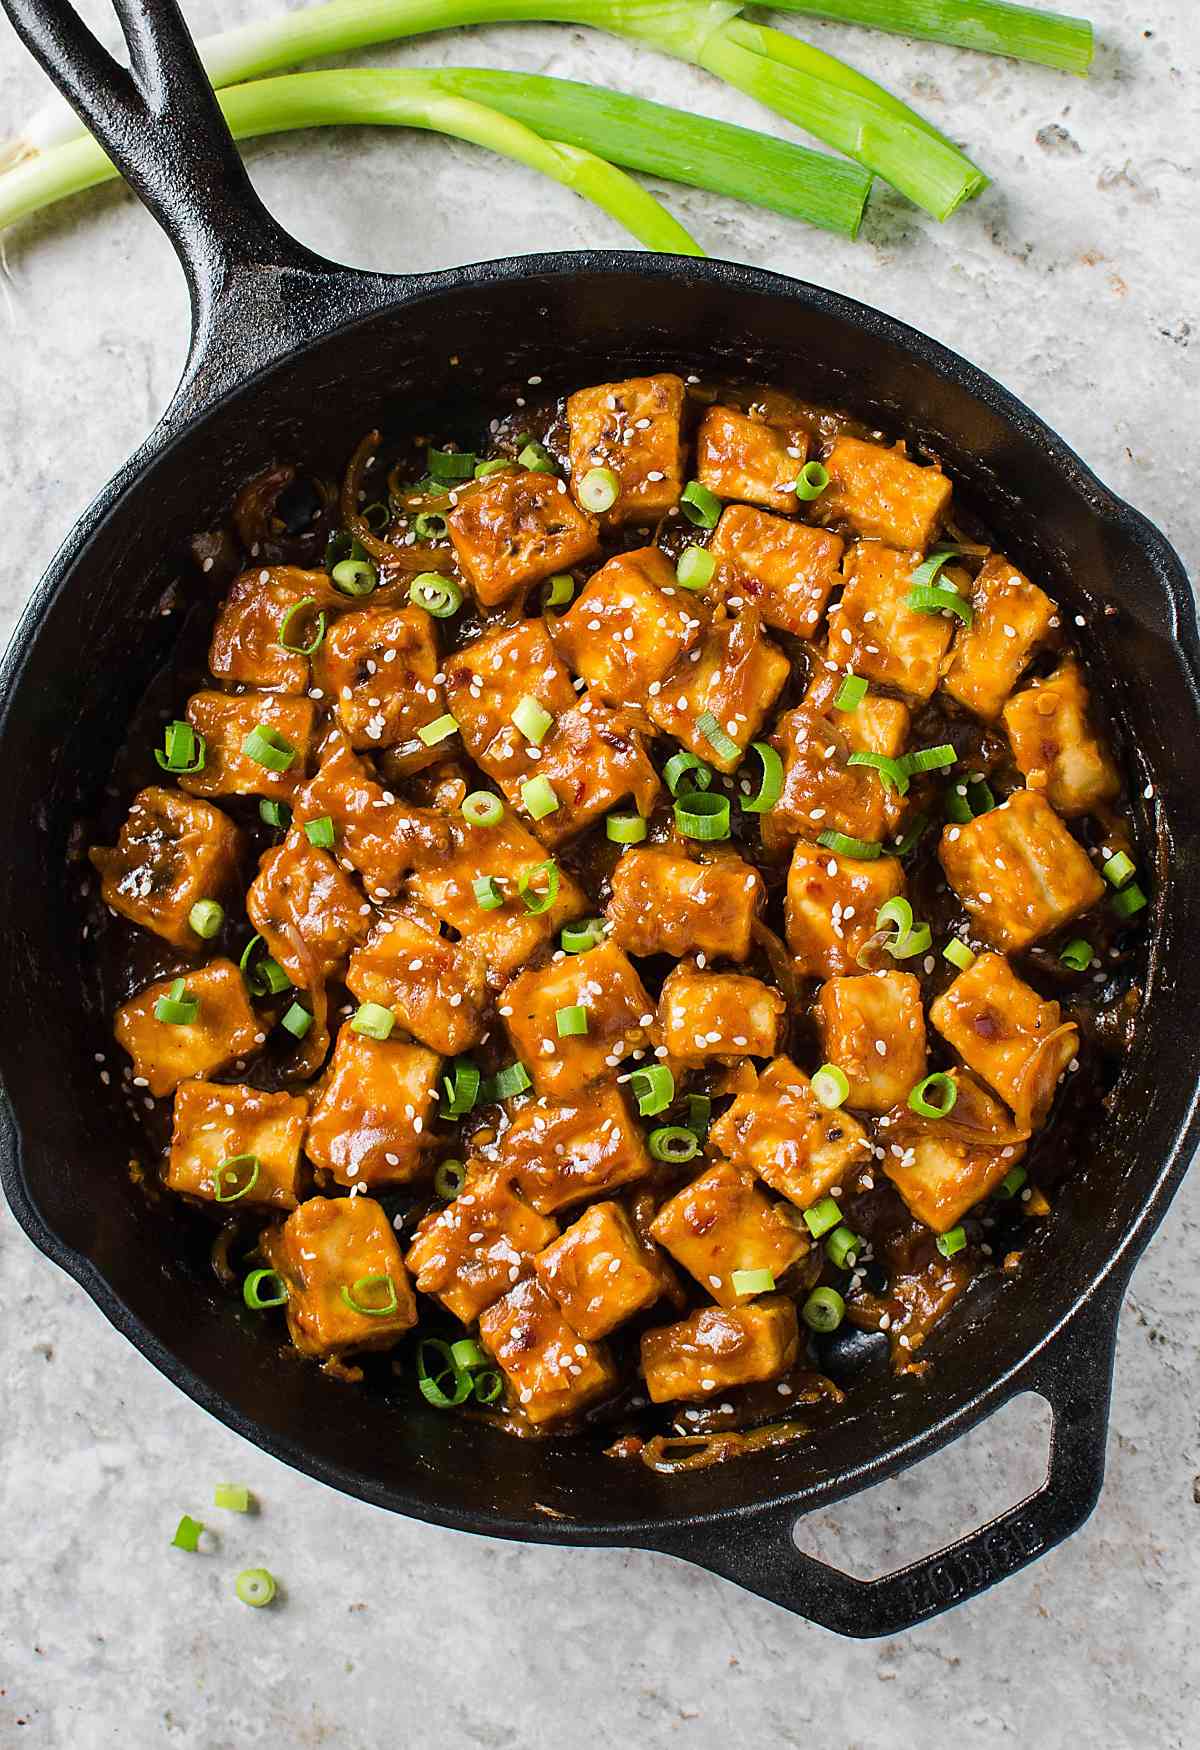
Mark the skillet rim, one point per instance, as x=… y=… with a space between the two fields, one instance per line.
x=375 y=296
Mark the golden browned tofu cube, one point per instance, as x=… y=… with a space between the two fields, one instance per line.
x=171 y=851
x=734 y=675
x=259 y=1134
x=167 y=1052
x=593 y=759
x=874 y=631
x=944 y=1166
x=629 y=625
x=632 y=428
x=338 y=1255
x=379 y=837
x=1002 y=1029
x=376 y=666
x=434 y=987
x=720 y=1223
x=789 y=1141
x=719 y=1348
x=786 y=570
x=1012 y=617
x=1055 y=744
x=822 y=791
x=873 y=1028
x=245 y=646
x=486 y=682
x=473 y=1251
x=503 y=939
x=1018 y=871
x=832 y=902
x=550 y=1370
x=516 y=529
x=664 y=903
x=617 y=1011
x=878 y=725
x=740 y=456
x=882 y=495
x=372 y=1110
x=702 y=1015
x=226 y=722
x=560 y=1152
x=308 y=913
x=600 y=1272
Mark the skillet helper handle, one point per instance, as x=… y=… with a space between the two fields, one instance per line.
x=1074 y=1374
x=251 y=284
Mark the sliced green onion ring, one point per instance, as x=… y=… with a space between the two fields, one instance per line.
x=276 y=814
x=842 y=1248
x=206 y=918
x=536 y=902
x=437 y=595
x=428 y=525
x=355 y=1296
x=183 y=750
x=498 y=464
x=268 y=748
x=935 y=1097
x=577 y=938
x=701 y=815
x=953 y=1241
x=1118 y=869
x=771 y=787
x=512 y=1080
x=571 y=1022
x=1077 y=955
x=230 y=1170
x=723 y=745
x=924 y=598
x=821 y=1217
x=811 y=481
x=752 y=1281
x=539 y=797
x=673 y=1143
x=284 y=638
x=177 y=1008
x=911 y=838
x=958 y=954
x=653 y=1088
x=319 y=833
x=851 y=693
x=699 y=1113
x=558 y=591
x=462 y=1088
x=373 y=1021
x=263 y=1289
x=625 y=828
x=430 y=1382
x=891 y=771
x=481 y=808
x=255 y=1587
x=265 y=979
x=449 y=1179
x=908 y=939
x=187 y=1534
x=968 y=799
x=929 y=759
x=599 y=490
x=824 y=1310
x=487 y=1385
x=441 y=729
x=678 y=767
x=356 y=577
x=488 y=893
x=927 y=571
x=450 y=464
x=1012 y=1182
x=694 y=568
x=701 y=507
x=233 y=1497
x=830 y=1087
x=532 y=719
x=297 y=1021
x=866 y=850
x=1131 y=899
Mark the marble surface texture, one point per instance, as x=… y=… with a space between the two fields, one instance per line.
x=1075 y=280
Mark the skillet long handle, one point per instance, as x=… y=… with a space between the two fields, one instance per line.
x=252 y=285
x=1074 y=1374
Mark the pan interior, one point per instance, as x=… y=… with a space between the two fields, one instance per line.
x=442 y=362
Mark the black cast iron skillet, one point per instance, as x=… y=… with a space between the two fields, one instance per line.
x=293 y=357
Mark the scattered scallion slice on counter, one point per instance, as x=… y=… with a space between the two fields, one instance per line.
x=824 y=1310
x=206 y=918
x=830 y=1087
x=625 y=828
x=653 y=1088
x=851 y=693
x=953 y=1241
x=373 y=1021
x=232 y=1497
x=866 y=850
x=694 y=568
x=256 y=1587
x=297 y=611
x=236 y=1177
x=437 y=595
x=752 y=1281
x=821 y=1217
x=996 y=27
x=598 y=490
x=263 y=1289
x=673 y=1143
x=269 y=749
x=177 y=1008
x=701 y=507
x=701 y=815
x=811 y=481
x=935 y=1097
x=374 y=1297
x=771 y=787
x=187 y=1534
x=571 y=1022
x=481 y=808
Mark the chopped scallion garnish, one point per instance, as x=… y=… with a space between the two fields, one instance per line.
x=488 y=893
x=771 y=788
x=263 y=1289
x=177 y=1008
x=373 y=1021
x=233 y=1497
x=571 y=1022
x=701 y=507
x=268 y=748
x=851 y=693
x=866 y=850
x=653 y=1088
x=935 y=1097
x=953 y=1241
x=538 y=899
x=811 y=481
x=695 y=567
x=598 y=490
x=752 y=1281
x=539 y=798
x=319 y=833
x=374 y=1297
x=295 y=612
x=441 y=729
x=701 y=815
x=437 y=595
x=830 y=1087
x=722 y=744
x=673 y=1143
x=236 y=1177
x=958 y=954
x=354 y=576
x=532 y=719
x=821 y=1217
x=625 y=828
x=183 y=749
x=481 y=808
x=824 y=1310
x=1077 y=955
x=578 y=938
x=206 y=918
x=890 y=771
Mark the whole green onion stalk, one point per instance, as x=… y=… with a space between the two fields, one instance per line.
x=997 y=27
x=814 y=90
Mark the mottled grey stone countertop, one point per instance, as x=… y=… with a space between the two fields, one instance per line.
x=1074 y=279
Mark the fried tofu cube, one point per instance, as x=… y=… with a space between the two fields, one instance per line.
x=485 y=683
x=600 y=1272
x=874 y=631
x=593 y=759
x=171 y=851
x=1002 y=1030
x=618 y=1011
x=822 y=791
x=226 y=721
x=741 y=456
x=471 y=1252
x=719 y=1348
x=1055 y=744
x=306 y=910
x=632 y=428
x=873 y=1028
x=831 y=905
x=1012 y=617
x=245 y=647
x=786 y=570
x=330 y=1245
x=702 y=1015
x=379 y=837
x=550 y=1370
x=516 y=529
x=564 y=1151
x=785 y=1138
x=216 y=1122
x=882 y=495
x=377 y=666
x=720 y=1223
x=1018 y=871
x=434 y=987
x=735 y=675
x=503 y=939
x=165 y=1053
x=944 y=1166
x=878 y=724
x=664 y=903
x=629 y=625
x=372 y=1110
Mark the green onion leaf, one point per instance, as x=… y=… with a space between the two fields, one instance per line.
x=1119 y=869
x=355 y=577
x=487 y=1385
x=674 y=1144
x=187 y=1534
x=701 y=507
x=263 y=1289
x=255 y=1587
x=558 y=591
x=267 y=748
x=373 y=1021
x=450 y=464
x=358 y=1296
x=488 y=896
x=437 y=595
x=571 y=1022
x=579 y=937
x=532 y=720
x=866 y=850
x=958 y=954
x=830 y=1087
x=441 y=729
x=701 y=815
x=599 y=490
x=296 y=611
x=996 y=27
x=276 y=814
x=851 y=693
x=824 y=1310
x=811 y=481
x=842 y=1248
x=183 y=749
x=320 y=832
x=967 y=800
x=909 y=840
x=1131 y=899
x=771 y=788
x=935 y=1097
x=206 y=918
x=890 y=771
x=822 y=1216
x=449 y=1179
x=177 y=1009
x=481 y=808
x=695 y=568
x=233 y=1497
x=724 y=746
x=625 y=828
x=239 y=1173
x=267 y=978
x=1077 y=955
x=953 y=1241
x=297 y=1021
x=653 y=1088
x=926 y=599
x=539 y=798
x=461 y=1088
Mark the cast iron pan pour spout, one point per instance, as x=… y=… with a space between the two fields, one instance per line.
x=258 y=296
